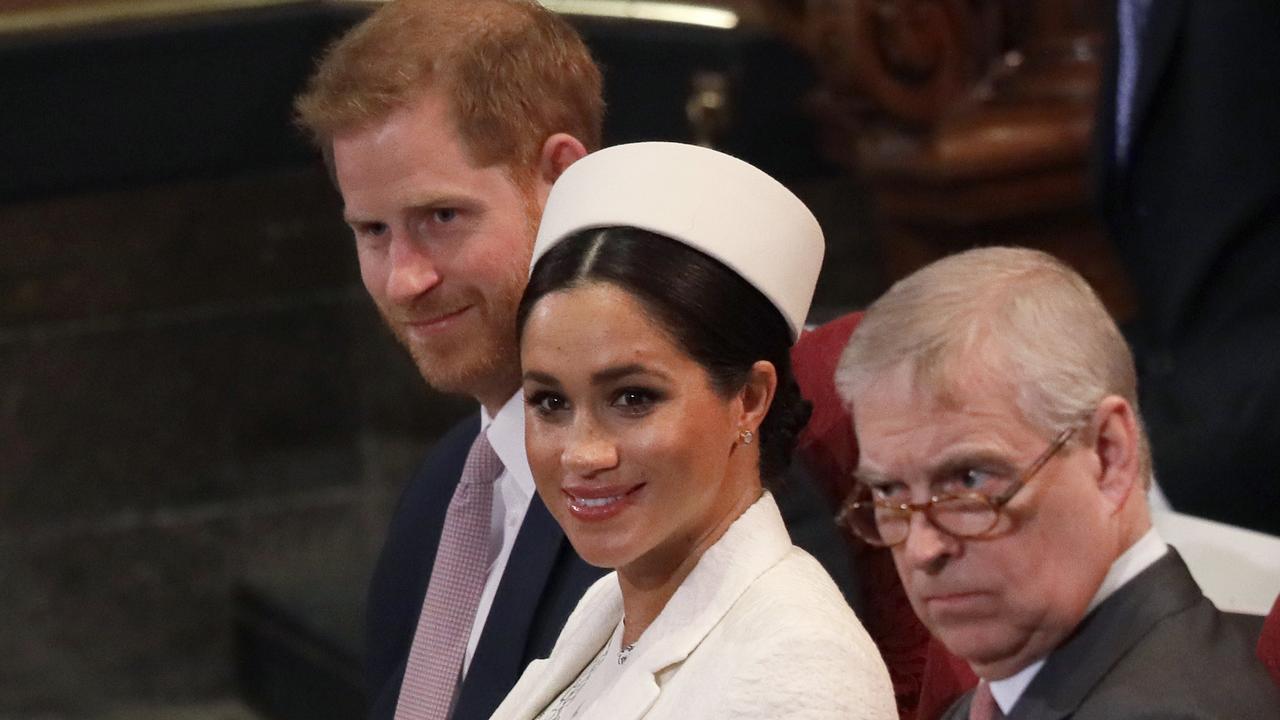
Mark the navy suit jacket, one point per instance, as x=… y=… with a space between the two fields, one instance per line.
x=1157 y=648
x=541 y=585
x=1195 y=216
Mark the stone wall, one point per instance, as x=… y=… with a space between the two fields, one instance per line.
x=194 y=391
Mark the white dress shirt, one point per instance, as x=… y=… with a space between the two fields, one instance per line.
x=512 y=492
x=1140 y=556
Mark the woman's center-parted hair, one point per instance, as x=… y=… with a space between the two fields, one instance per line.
x=713 y=315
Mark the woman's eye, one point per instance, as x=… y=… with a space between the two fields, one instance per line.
x=547 y=403
x=634 y=400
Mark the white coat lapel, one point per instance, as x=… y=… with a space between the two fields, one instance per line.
x=632 y=696
x=754 y=543
x=587 y=630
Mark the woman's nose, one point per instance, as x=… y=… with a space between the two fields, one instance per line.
x=589 y=451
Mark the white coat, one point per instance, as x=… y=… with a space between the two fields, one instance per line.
x=757 y=630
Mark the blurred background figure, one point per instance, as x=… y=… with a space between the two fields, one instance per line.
x=1188 y=143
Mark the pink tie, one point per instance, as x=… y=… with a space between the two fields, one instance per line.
x=457 y=579
x=983 y=706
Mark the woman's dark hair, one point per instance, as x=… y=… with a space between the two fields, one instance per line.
x=723 y=322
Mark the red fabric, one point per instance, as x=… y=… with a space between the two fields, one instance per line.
x=946 y=677
x=827 y=444
x=926 y=678
x=1269 y=643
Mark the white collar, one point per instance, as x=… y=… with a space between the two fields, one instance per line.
x=506 y=435
x=1138 y=557
x=1008 y=690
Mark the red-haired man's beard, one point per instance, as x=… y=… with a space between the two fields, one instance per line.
x=464 y=343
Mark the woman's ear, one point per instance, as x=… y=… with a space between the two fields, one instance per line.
x=757 y=394
x=1117 y=448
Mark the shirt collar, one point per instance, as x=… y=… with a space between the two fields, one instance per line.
x=506 y=435
x=1007 y=691
x=1140 y=555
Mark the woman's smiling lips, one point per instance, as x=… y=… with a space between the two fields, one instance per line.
x=592 y=503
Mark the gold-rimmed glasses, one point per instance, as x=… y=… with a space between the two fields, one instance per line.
x=886 y=523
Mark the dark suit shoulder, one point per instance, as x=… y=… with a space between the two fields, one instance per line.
x=442 y=465
x=1156 y=648
x=1198 y=663
x=419 y=513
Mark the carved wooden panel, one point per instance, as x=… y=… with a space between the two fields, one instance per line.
x=970 y=120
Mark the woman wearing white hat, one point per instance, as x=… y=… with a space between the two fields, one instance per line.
x=669 y=283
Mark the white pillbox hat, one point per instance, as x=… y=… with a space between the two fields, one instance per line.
x=713 y=202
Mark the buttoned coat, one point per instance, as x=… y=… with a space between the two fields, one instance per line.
x=757 y=630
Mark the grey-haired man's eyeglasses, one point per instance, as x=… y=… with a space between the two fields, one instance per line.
x=886 y=523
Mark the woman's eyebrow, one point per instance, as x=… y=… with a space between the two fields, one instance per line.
x=613 y=374
x=540 y=377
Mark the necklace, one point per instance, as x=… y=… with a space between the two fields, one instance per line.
x=624 y=652
x=565 y=702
